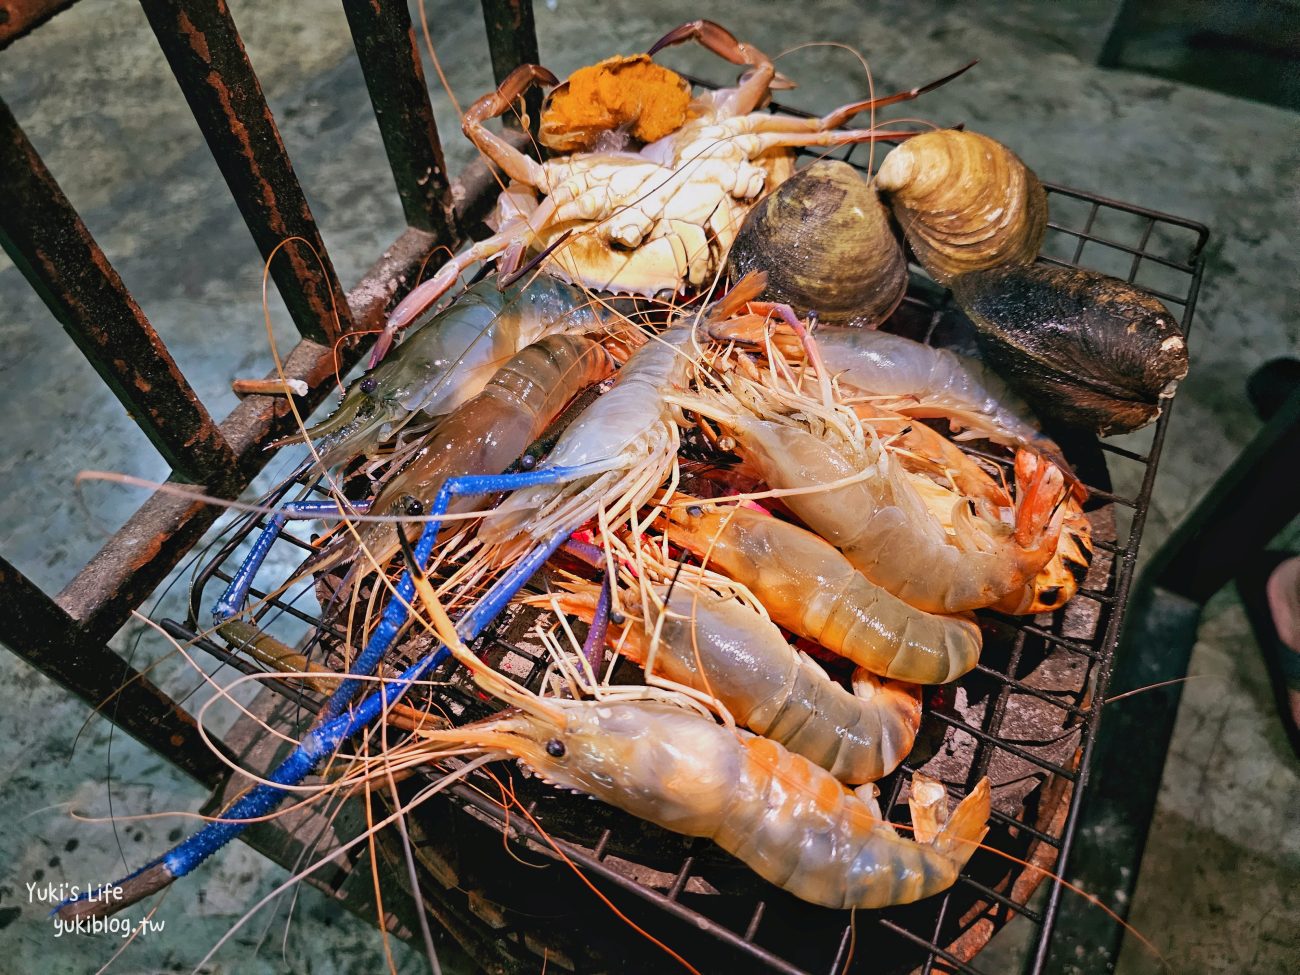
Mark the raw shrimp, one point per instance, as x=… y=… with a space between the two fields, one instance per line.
x=811 y=589
x=624 y=443
x=916 y=379
x=484 y=436
x=619 y=450
x=880 y=521
x=787 y=819
x=450 y=359
x=725 y=649
x=924 y=451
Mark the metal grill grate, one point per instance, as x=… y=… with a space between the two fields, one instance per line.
x=1054 y=668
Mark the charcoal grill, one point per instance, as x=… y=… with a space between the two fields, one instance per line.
x=1028 y=713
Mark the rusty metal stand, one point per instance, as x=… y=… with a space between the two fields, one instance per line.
x=66 y=636
x=1229 y=530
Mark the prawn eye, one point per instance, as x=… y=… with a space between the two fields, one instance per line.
x=694 y=510
x=527 y=462
x=555 y=748
x=368 y=385
x=413 y=506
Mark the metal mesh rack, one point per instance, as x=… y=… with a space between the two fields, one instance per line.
x=1026 y=716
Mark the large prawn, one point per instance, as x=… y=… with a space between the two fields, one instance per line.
x=722 y=648
x=786 y=818
x=484 y=436
x=840 y=481
x=912 y=378
x=618 y=452
x=811 y=589
x=450 y=358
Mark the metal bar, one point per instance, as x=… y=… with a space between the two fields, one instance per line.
x=207 y=56
x=512 y=41
x=992 y=741
x=285 y=686
x=52 y=247
x=1049 y=951
x=1247 y=507
x=1085 y=235
x=138 y=557
x=36 y=629
x=20 y=17
x=390 y=61
x=1223 y=534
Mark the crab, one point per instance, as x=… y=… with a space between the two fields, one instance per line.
x=656 y=219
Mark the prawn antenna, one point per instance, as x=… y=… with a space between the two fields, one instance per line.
x=337 y=723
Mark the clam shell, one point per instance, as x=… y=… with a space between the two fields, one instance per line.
x=823 y=238
x=1084 y=349
x=964 y=201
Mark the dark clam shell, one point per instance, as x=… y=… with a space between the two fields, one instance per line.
x=1084 y=349
x=824 y=239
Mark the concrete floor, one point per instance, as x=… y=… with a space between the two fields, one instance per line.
x=1218 y=888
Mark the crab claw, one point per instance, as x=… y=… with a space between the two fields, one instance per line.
x=762 y=77
x=517 y=82
x=713 y=36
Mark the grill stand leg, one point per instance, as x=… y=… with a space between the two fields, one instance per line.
x=1253 y=501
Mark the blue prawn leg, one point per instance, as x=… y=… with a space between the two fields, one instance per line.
x=337 y=727
x=232 y=600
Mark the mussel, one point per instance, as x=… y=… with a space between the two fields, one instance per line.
x=964 y=201
x=823 y=238
x=1084 y=349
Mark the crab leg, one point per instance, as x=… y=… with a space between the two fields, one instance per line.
x=754 y=85
x=757 y=144
x=845 y=112
x=836 y=118
x=515 y=164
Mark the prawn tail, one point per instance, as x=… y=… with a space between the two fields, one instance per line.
x=966 y=826
x=745 y=290
x=1041 y=491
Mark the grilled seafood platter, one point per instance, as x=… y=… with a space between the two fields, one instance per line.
x=762 y=536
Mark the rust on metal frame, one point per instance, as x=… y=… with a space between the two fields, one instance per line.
x=46 y=637
x=50 y=244
x=390 y=61
x=208 y=58
x=66 y=638
x=138 y=557
x=21 y=17
x=512 y=41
